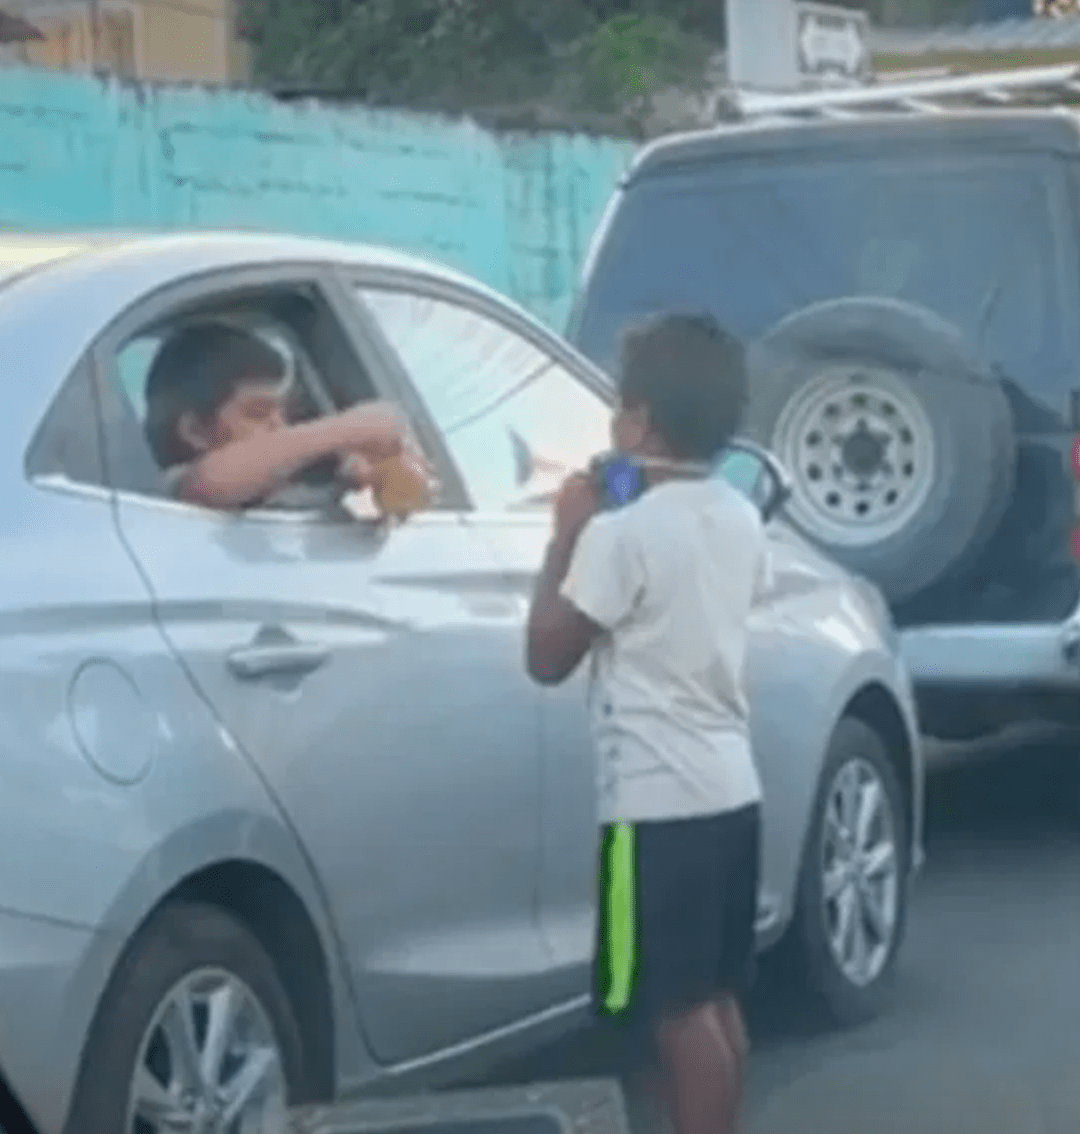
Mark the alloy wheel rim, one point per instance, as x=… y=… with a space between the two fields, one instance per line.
x=208 y=1063
x=860 y=873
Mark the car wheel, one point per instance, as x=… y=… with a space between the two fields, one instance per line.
x=851 y=904
x=901 y=450
x=194 y=1033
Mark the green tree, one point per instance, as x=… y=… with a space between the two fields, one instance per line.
x=571 y=55
x=580 y=54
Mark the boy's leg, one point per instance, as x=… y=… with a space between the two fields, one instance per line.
x=687 y=964
x=731 y=1021
x=705 y=1044
x=740 y=853
x=734 y=1026
x=700 y=1071
x=675 y=948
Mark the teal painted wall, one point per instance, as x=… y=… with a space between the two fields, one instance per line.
x=515 y=210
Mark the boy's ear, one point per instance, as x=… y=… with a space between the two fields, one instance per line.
x=190 y=432
x=631 y=428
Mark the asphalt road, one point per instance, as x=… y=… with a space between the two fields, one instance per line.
x=984 y=1034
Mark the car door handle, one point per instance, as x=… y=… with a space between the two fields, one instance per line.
x=277 y=659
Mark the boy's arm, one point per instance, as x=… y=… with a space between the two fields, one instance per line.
x=589 y=581
x=242 y=473
x=558 y=634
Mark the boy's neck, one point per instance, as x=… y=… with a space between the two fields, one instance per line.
x=659 y=469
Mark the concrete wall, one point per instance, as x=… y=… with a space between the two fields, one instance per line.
x=516 y=211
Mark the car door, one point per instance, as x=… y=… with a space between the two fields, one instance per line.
x=370 y=673
x=515 y=419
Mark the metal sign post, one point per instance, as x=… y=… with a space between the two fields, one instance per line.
x=793 y=45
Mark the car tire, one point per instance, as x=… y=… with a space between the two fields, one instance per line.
x=900 y=447
x=810 y=947
x=188 y=954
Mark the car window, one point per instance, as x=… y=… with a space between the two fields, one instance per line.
x=67 y=442
x=974 y=238
x=514 y=419
x=296 y=329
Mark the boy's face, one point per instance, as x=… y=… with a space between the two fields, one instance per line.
x=254 y=407
x=631 y=432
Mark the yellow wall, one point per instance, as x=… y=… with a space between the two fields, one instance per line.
x=183 y=40
x=168 y=40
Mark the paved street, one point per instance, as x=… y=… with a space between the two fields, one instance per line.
x=984 y=1036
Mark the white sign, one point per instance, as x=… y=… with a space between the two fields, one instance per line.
x=832 y=42
x=780 y=46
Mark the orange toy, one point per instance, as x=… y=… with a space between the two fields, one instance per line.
x=401 y=486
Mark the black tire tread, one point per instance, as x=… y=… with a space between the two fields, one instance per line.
x=967 y=407
x=806 y=955
x=177 y=938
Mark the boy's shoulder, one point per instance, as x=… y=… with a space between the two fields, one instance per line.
x=671 y=504
x=684 y=520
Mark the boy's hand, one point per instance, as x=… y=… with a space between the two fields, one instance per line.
x=356 y=470
x=575 y=506
x=377 y=429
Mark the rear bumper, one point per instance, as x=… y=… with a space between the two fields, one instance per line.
x=43 y=1014
x=978 y=681
x=993 y=657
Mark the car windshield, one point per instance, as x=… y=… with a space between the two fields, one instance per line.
x=753 y=240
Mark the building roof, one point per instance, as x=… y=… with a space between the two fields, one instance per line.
x=1046 y=33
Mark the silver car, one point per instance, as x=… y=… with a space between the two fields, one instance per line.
x=282 y=817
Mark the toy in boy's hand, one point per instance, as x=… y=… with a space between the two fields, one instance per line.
x=617 y=479
x=402 y=485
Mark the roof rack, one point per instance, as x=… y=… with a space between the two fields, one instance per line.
x=1022 y=87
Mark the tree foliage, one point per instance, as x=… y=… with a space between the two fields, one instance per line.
x=572 y=55
x=460 y=53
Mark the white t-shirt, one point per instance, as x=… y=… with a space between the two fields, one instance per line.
x=672 y=578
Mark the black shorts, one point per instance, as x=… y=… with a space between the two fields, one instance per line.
x=677 y=906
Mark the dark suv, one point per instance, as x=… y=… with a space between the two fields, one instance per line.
x=910 y=285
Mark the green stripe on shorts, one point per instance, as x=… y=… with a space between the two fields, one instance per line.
x=618 y=935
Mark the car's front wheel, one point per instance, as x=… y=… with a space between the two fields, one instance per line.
x=851 y=906
x=195 y=1033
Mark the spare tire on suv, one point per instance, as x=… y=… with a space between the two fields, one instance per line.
x=900 y=447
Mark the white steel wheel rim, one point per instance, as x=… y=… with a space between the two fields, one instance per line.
x=208 y=1063
x=860 y=452
x=860 y=873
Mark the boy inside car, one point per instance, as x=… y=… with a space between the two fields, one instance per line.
x=216 y=422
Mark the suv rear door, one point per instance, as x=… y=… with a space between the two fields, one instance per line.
x=975 y=222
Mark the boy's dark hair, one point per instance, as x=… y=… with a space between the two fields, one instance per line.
x=196 y=370
x=690 y=374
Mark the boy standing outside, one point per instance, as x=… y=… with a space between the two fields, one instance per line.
x=660 y=592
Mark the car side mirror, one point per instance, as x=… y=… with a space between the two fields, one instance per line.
x=757 y=474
